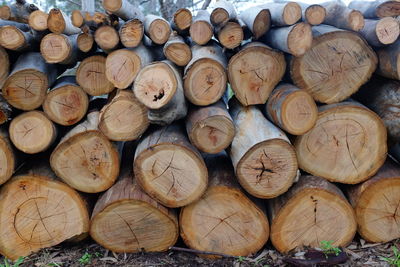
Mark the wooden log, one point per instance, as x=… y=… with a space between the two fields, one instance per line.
x=60 y=48
x=210 y=129
x=389 y=61
x=85 y=159
x=27 y=84
x=254 y=72
x=7 y=156
x=123 y=9
x=335 y=67
x=4 y=67
x=22 y=26
x=292 y=109
x=240 y=230
x=12 y=38
x=205 y=75
x=157 y=29
x=223 y=12
x=296 y=39
x=230 y=35
x=325 y=213
x=257 y=20
x=313 y=14
x=380 y=32
x=66 y=103
x=131 y=33
x=38 y=20
x=19 y=11
x=336 y=148
x=107 y=38
x=264 y=160
x=342 y=17
x=123 y=65
x=59 y=22
x=377 y=8
x=169 y=168
x=93 y=20
x=181 y=20
x=283 y=14
x=39 y=212
x=177 y=51
x=159 y=87
x=124 y=118
x=85 y=42
x=201 y=30
x=91 y=76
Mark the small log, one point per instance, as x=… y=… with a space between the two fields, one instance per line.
x=131 y=33
x=38 y=20
x=381 y=32
x=169 y=168
x=181 y=20
x=292 y=109
x=254 y=72
x=210 y=129
x=201 y=30
x=257 y=19
x=12 y=38
x=389 y=61
x=123 y=9
x=66 y=103
x=342 y=17
x=230 y=35
x=91 y=76
x=93 y=20
x=85 y=159
x=377 y=9
x=7 y=156
x=85 y=42
x=283 y=14
x=60 y=48
x=205 y=75
x=177 y=51
x=22 y=26
x=324 y=211
x=19 y=11
x=313 y=14
x=223 y=12
x=107 y=38
x=59 y=22
x=264 y=160
x=4 y=67
x=336 y=148
x=157 y=29
x=208 y=225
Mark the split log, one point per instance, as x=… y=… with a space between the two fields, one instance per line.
x=205 y=75
x=169 y=168
x=324 y=211
x=201 y=30
x=389 y=61
x=223 y=12
x=85 y=42
x=107 y=38
x=60 y=48
x=177 y=51
x=38 y=20
x=4 y=67
x=11 y=37
x=123 y=9
x=7 y=156
x=240 y=230
x=59 y=22
x=159 y=87
x=131 y=33
x=283 y=14
x=91 y=76
x=335 y=67
x=123 y=65
x=313 y=14
x=157 y=29
x=342 y=17
x=264 y=160
x=181 y=20
x=85 y=159
x=257 y=20
x=292 y=109
x=210 y=129
x=230 y=35
x=32 y=132
x=19 y=11
x=124 y=118
x=254 y=72
x=380 y=32
x=336 y=148
x=66 y=103
x=28 y=82
x=377 y=8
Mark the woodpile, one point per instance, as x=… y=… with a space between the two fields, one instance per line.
x=240 y=121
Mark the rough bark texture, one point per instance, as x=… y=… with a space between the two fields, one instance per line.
x=257 y=19
x=313 y=14
x=340 y=16
x=377 y=9
x=13 y=38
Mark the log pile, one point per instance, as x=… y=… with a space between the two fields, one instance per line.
x=242 y=122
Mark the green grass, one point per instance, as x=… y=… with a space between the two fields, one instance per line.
x=395 y=260
x=17 y=263
x=328 y=248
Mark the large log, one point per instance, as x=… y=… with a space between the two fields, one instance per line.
x=123 y=9
x=313 y=14
x=208 y=225
x=223 y=12
x=377 y=8
x=4 y=66
x=60 y=48
x=380 y=32
x=340 y=16
x=157 y=29
x=324 y=211
x=19 y=11
x=7 y=156
x=264 y=160
x=389 y=61
x=201 y=30
x=177 y=51
x=181 y=20
x=38 y=20
x=59 y=22
x=230 y=35
x=257 y=19
x=335 y=67
x=85 y=159
x=347 y=144
x=169 y=168
x=254 y=71
x=131 y=33
x=107 y=38
x=283 y=14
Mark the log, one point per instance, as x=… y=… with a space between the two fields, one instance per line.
x=38 y=20
x=85 y=159
x=12 y=38
x=159 y=87
x=177 y=51
x=283 y=14
x=124 y=118
x=208 y=225
x=377 y=8
x=380 y=32
x=85 y=42
x=123 y=65
x=291 y=109
x=58 y=22
x=181 y=20
x=336 y=65
x=60 y=48
x=389 y=61
x=375 y=204
x=7 y=156
x=295 y=40
x=257 y=20
x=324 y=211
x=123 y=9
x=342 y=17
x=26 y=86
x=201 y=30
x=66 y=103
x=22 y=26
x=131 y=33
x=39 y=212
x=169 y=168
x=210 y=129
x=157 y=29
x=5 y=111
x=93 y=20
x=4 y=67
x=336 y=148
x=107 y=38
x=264 y=160
x=91 y=76
x=19 y=11
x=254 y=72
x=205 y=75
x=223 y=12
x=230 y=35
x=313 y=14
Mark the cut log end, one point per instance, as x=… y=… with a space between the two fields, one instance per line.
x=291 y=13
x=261 y=23
x=183 y=19
x=106 y=37
x=77 y=18
x=179 y=53
x=11 y=37
x=131 y=33
x=5 y=12
x=388 y=9
x=55 y=48
x=85 y=42
x=315 y=14
x=300 y=39
x=7 y=160
x=219 y=16
x=56 y=22
x=387 y=30
x=159 y=31
x=112 y=5
x=201 y=32
x=38 y=20
x=231 y=35
x=356 y=20
x=122 y=67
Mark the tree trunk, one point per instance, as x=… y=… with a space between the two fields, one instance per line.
x=22 y=26
x=12 y=38
x=205 y=75
x=59 y=22
x=18 y=12
x=181 y=20
x=257 y=19
x=177 y=51
x=123 y=9
x=292 y=109
x=85 y=42
x=157 y=29
x=324 y=211
x=208 y=225
x=169 y=168
x=230 y=35
x=7 y=156
x=264 y=160
x=254 y=72
x=223 y=12
x=335 y=67
x=38 y=20
x=107 y=38
x=210 y=129
x=342 y=17
x=377 y=8
x=201 y=30
x=313 y=14
x=389 y=61
x=85 y=159
x=4 y=66
x=283 y=14
x=336 y=148
x=131 y=33
x=61 y=49
x=380 y=32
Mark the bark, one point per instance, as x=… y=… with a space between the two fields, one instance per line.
x=201 y=30
x=58 y=22
x=177 y=51
x=257 y=20
x=4 y=67
x=123 y=9
x=377 y=9
x=313 y=14
x=381 y=32
x=18 y=12
x=340 y=16
x=283 y=14
x=223 y=12
x=13 y=38
x=157 y=29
